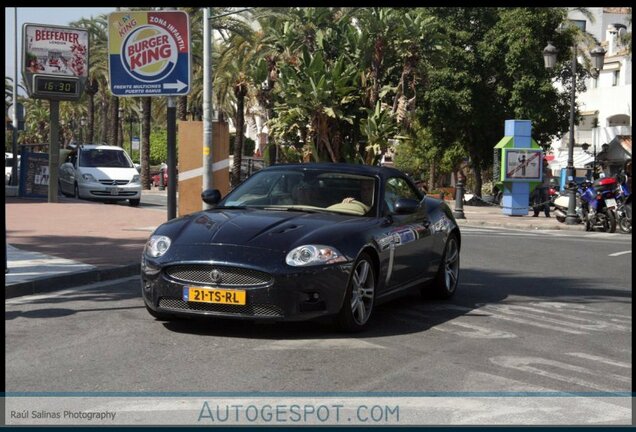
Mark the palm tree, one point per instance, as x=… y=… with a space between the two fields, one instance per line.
x=96 y=84
x=234 y=65
x=146 y=114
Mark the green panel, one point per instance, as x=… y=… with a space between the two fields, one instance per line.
x=534 y=144
x=506 y=141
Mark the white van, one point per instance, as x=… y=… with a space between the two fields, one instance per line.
x=100 y=172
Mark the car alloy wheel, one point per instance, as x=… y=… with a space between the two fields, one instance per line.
x=445 y=283
x=359 y=301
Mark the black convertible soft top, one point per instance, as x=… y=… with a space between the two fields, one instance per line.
x=344 y=167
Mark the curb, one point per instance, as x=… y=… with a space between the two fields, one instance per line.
x=529 y=226
x=70 y=280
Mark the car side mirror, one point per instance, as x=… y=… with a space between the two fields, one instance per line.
x=406 y=206
x=211 y=196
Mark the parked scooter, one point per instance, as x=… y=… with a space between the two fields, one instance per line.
x=562 y=201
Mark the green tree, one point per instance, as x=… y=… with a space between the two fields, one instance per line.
x=491 y=71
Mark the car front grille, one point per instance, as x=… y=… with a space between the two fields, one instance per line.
x=114 y=182
x=222 y=276
x=263 y=310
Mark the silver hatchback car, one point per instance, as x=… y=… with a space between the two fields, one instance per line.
x=100 y=172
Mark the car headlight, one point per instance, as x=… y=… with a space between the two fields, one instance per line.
x=135 y=179
x=88 y=178
x=157 y=246
x=309 y=255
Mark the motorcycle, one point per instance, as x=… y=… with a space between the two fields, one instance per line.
x=624 y=209
x=600 y=211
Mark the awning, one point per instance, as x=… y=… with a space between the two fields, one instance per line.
x=580 y=159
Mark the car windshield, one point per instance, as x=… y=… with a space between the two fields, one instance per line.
x=104 y=158
x=306 y=190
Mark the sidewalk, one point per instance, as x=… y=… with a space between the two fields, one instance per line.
x=489 y=215
x=54 y=246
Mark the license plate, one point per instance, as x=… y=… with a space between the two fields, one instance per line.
x=610 y=202
x=113 y=191
x=207 y=295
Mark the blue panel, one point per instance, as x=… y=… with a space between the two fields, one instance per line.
x=516 y=199
x=522 y=142
x=518 y=128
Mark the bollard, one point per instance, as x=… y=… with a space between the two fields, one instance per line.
x=459 y=199
x=162 y=185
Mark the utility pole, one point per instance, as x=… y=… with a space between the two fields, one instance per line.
x=208 y=174
x=171 y=131
x=54 y=148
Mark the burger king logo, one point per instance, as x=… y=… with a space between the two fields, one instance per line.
x=149 y=53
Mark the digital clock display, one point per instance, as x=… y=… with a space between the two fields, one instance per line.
x=61 y=87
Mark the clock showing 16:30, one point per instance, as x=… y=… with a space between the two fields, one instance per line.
x=54 y=86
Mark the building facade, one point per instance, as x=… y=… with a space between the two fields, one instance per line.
x=605 y=108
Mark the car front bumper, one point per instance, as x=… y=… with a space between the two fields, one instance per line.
x=285 y=294
x=100 y=191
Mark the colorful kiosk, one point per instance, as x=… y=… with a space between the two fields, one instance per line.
x=519 y=162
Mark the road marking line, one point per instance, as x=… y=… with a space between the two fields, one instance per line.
x=601 y=359
x=537 y=365
x=495 y=311
x=474 y=331
x=620 y=253
x=594 y=324
x=31 y=298
x=310 y=344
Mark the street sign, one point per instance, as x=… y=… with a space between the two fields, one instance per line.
x=522 y=164
x=135 y=143
x=54 y=61
x=149 y=53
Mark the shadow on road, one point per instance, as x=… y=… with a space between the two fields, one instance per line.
x=406 y=315
x=413 y=314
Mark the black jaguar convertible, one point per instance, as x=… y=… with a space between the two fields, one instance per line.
x=295 y=242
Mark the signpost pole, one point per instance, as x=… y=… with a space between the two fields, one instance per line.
x=171 y=119
x=54 y=149
x=14 y=147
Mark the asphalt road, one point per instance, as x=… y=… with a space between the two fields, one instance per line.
x=534 y=312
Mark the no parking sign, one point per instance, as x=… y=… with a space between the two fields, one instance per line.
x=149 y=53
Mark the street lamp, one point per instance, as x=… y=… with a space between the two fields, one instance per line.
x=550 y=57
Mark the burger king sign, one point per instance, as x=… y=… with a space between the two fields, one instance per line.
x=149 y=53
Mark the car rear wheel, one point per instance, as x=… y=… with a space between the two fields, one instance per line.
x=447 y=277
x=134 y=202
x=360 y=296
